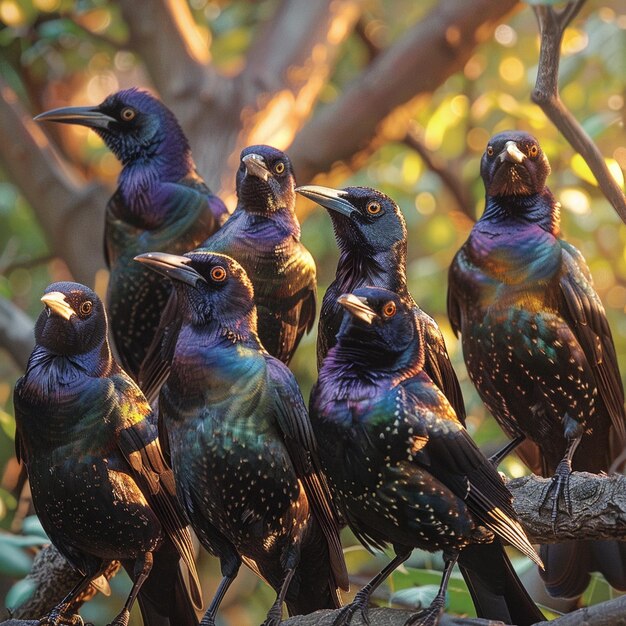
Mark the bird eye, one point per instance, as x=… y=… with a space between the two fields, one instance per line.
x=373 y=208
x=128 y=114
x=86 y=307
x=389 y=310
x=533 y=151
x=218 y=274
x=489 y=150
x=279 y=168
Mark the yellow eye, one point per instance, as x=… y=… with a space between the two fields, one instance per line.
x=373 y=208
x=279 y=168
x=218 y=274
x=533 y=151
x=86 y=307
x=389 y=310
x=128 y=114
x=489 y=150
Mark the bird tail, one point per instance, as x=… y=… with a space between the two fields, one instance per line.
x=496 y=590
x=313 y=586
x=569 y=566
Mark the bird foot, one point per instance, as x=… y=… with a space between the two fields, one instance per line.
x=559 y=487
x=274 y=616
x=346 y=614
x=56 y=618
x=122 y=619
x=429 y=616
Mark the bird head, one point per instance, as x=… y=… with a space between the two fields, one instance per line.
x=73 y=321
x=265 y=180
x=133 y=123
x=377 y=322
x=514 y=165
x=211 y=288
x=363 y=218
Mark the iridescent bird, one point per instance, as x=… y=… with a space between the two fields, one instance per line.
x=161 y=203
x=242 y=448
x=537 y=343
x=402 y=468
x=371 y=234
x=99 y=483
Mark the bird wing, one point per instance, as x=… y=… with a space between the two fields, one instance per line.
x=293 y=420
x=138 y=441
x=438 y=366
x=454 y=281
x=581 y=307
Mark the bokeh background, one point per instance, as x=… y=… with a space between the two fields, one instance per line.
x=424 y=149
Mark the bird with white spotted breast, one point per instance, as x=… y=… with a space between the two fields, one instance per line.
x=371 y=234
x=402 y=468
x=242 y=448
x=263 y=235
x=161 y=203
x=537 y=343
x=98 y=480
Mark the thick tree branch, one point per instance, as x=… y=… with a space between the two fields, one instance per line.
x=16 y=332
x=552 y=25
x=418 y=63
x=69 y=210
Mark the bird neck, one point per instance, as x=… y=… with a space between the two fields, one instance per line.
x=540 y=209
x=258 y=222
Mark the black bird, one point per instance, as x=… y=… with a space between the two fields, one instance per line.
x=537 y=344
x=371 y=235
x=241 y=444
x=263 y=235
x=161 y=203
x=99 y=483
x=401 y=466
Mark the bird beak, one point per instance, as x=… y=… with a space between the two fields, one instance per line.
x=255 y=166
x=357 y=307
x=84 y=116
x=57 y=303
x=512 y=153
x=332 y=199
x=172 y=266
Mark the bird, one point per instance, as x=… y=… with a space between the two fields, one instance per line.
x=161 y=203
x=242 y=449
x=371 y=234
x=263 y=235
x=402 y=468
x=537 y=344
x=98 y=480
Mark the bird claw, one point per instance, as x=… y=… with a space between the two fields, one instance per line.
x=429 y=616
x=55 y=618
x=557 y=487
x=347 y=612
x=122 y=619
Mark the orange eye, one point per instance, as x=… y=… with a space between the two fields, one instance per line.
x=128 y=114
x=489 y=150
x=373 y=208
x=533 y=151
x=218 y=274
x=389 y=310
x=86 y=307
x=279 y=168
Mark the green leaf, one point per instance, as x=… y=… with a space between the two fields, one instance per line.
x=32 y=526
x=21 y=591
x=415 y=597
x=14 y=562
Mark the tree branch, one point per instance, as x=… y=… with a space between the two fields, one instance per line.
x=552 y=25
x=69 y=210
x=429 y=52
x=16 y=332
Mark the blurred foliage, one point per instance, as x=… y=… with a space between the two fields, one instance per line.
x=74 y=51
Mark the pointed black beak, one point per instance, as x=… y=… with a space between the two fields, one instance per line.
x=512 y=153
x=332 y=199
x=91 y=117
x=170 y=265
x=256 y=166
x=357 y=307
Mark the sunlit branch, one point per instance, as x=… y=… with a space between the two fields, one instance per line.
x=552 y=25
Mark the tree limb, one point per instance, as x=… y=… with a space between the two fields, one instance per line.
x=69 y=210
x=418 y=63
x=16 y=332
x=552 y=25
